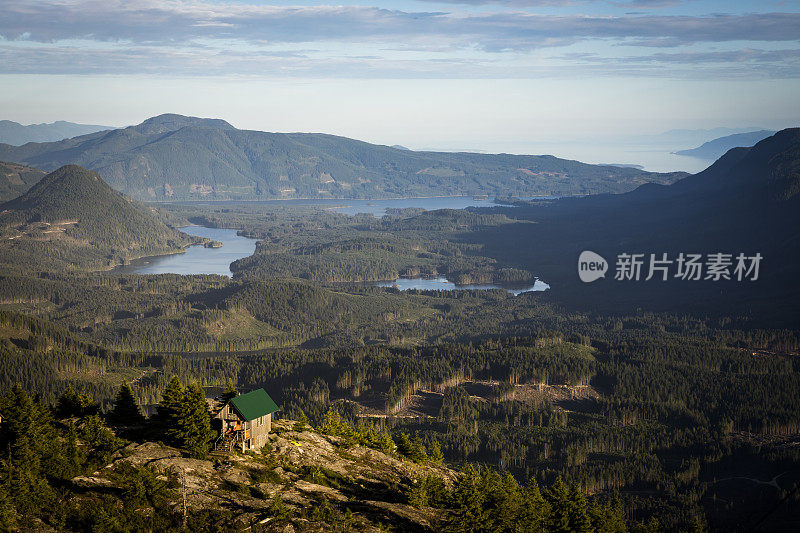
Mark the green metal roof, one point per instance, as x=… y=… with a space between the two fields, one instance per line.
x=254 y=404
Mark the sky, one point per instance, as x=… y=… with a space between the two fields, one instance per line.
x=490 y=75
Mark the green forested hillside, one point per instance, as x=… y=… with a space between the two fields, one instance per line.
x=72 y=219
x=747 y=202
x=172 y=157
x=15 y=179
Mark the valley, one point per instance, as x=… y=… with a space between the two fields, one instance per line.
x=657 y=411
x=175 y=157
x=407 y=266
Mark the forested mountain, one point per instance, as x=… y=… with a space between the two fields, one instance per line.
x=16 y=134
x=15 y=179
x=747 y=202
x=716 y=148
x=171 y=157
x=72 y=218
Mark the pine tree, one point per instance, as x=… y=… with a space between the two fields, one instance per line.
x=386 y=444
x=8 y=516
x=469 y=512
x=609 y=518
x=31 y=437
x=195 y=422
x=534 y=510
x=435 y=452
x=67 y=406
x=418 y=453
x=404 y=445
x=170 y=411
x=229 y=393
x=126 y=411
x=301 y=424
x=560 y=508
x=580 y=521
x=70 y=404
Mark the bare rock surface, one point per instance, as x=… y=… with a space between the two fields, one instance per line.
x=301 y=481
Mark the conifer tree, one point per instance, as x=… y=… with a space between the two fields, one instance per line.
x=302 y=423
x=417 y=452
x=28 y=431
x=580 y=521
x=195 y=422
x=229 y=393
x=404 y=445
x=71 y=404
x=561 y=508
x=170 y=411
x=469 y=512
x=534 y=509
x=126 y=411
x=67 y=406
x=386 y=444
x=435 y=452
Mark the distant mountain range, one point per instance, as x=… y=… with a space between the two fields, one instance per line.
x=687 y=137
x=72 y=219
x=746 y=202
x=16 y=134
x=716 y=148
x=172 y=157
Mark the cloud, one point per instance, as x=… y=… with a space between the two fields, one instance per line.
x=742 y=63
x=175 y=22
x=218 y=38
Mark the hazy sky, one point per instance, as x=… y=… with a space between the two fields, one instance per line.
x=479 y=74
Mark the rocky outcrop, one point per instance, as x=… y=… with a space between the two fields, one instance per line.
x=314 y=478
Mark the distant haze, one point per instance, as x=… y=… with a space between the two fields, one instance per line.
x=18 y=134
x=516 y=76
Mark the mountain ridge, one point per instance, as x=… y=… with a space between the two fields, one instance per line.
x=716 y=148
x=171 y=157
x=17 y=134
x=747 y=202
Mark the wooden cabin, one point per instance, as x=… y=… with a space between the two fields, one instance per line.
x=246 y=421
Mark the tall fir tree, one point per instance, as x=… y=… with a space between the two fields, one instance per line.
x=30 y=445
x=195 y=423
x=67 y=405
x=229 y=393
x=126 y=411
x=469 y=513
x=170 y=410
x=561 y=508
x=534 y=509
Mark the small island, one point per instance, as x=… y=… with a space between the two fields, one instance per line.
x=212 y=244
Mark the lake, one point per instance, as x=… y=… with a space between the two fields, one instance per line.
x=197 y=259
x=442 y=284
x=200 y=260
x=377 y=208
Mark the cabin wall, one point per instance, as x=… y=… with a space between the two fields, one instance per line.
x=259 y=432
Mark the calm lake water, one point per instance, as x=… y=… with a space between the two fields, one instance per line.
x=378 y=208
x=201 y=260
x=442 y=284
x=198 y=259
